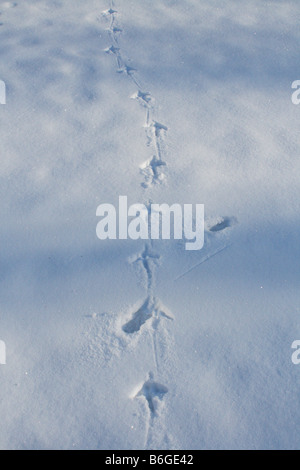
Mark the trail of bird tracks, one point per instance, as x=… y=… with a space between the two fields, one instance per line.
x=151 y=316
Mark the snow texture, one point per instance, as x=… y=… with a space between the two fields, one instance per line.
x=132 y=345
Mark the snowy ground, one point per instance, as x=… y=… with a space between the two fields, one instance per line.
x=203 y=359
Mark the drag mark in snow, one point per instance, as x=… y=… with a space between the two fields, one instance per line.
x=153 y=168
x=152 y=393
x=149 y=260
x=146 y=101
x=151 y=311
x=207 y=257
x=158 y=130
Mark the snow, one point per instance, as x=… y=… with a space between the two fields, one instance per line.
x=109 y=346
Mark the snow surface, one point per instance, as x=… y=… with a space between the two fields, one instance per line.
x=201 y=357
